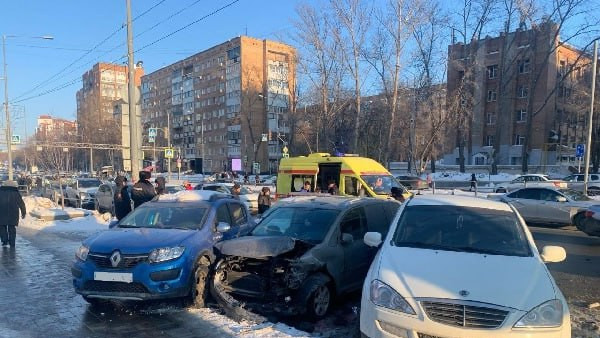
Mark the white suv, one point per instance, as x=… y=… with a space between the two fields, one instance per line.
x=575 y=182
x=455 y=266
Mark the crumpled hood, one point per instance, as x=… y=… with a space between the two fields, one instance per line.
x=516 y=282
x=136 y=241
x=256 y=246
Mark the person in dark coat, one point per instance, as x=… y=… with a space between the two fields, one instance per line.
x=160 y=185
x=264 y=200
x=142 y=191
x=473 y=182
x=10 y=204
x=396 y=193
x=121 y=198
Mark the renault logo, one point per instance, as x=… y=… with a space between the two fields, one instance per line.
x=463 y=293
x=115 y=259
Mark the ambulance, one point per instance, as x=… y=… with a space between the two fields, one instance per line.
x=351 y=174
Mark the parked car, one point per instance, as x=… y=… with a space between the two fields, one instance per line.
x=105 y=198
x=591 y=223
x=412 y=182
x=82 y=192
x=173 y=188
x=303 y=253
x=546 y=205
x=162 y=249
x=576 y=182
x=454 y=266
x=250 y=199
x=532 y=180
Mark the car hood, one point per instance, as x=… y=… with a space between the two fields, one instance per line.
x=257 y=246
x=136 y=241
x=515 y=282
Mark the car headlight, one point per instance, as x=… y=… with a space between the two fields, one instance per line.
x=383 y=295
x=82 y=253
x=548 y=314
x=165 y=254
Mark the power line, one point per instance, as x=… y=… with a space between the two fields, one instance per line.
x=76 y=80
x=110 y=36
x=167 y=18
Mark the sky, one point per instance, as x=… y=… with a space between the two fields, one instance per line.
x=86 y=31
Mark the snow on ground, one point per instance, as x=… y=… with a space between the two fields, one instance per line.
x=82 y=225
x=481 y=177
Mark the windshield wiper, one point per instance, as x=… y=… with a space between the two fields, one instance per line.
x=128 y=226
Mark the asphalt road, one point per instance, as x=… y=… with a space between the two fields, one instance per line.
x=37 y=298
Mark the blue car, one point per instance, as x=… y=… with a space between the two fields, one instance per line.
x=162 y=249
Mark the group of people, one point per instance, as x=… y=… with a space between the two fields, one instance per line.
x=141 y=192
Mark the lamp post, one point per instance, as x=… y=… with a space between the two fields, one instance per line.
x=7 y=112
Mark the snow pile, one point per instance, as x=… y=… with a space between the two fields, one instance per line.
x=36 y=203
x=83 y=225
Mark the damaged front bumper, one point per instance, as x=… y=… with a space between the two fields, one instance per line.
x=248 y=287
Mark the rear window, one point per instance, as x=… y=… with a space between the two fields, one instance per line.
x=465 y=229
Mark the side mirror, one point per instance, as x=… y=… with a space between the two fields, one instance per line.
x=347 y=238
x=223 y=227
x=561 y=199
x=372 y=239
x=113 y=224
x=553 y=254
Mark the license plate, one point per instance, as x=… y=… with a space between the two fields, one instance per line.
x=113 y=277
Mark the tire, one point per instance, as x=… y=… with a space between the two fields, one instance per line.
x=578 y=220
x=199 y=283
x=317 y=296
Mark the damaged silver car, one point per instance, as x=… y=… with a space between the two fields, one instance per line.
x=304 y=252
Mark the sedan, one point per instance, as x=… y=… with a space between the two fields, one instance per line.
x=531 y=180
x=546 y=205
x=413 y=182
x=455 y=266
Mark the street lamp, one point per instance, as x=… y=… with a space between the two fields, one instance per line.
x=8 y=131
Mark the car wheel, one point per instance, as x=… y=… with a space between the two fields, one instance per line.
x=578 y=220
x=501 y=191
x=199 y=289
x=317 y=295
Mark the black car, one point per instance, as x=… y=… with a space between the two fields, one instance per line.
x=305 y=251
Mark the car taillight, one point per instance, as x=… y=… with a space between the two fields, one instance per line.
x=589 y=214
x=557 y=184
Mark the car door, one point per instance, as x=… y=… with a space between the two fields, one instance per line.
x=525 y=201
x=551 y=210
x=357 y=255
x=223 y=215
x=517 y=183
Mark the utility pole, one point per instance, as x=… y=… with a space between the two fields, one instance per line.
x=8 y=131
x=588 y=145
x=133 y=121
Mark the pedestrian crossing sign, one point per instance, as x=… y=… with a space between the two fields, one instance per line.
x=16 y=139
x=169 y=153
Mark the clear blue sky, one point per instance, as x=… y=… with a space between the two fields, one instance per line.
x=78 y=26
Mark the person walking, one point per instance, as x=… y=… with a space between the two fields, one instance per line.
x=143 y=191
x=161 y=183
x=264 y=200
x=10 y=204
x=121 y=198
x=473 y=182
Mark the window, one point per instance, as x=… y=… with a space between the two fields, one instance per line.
x=524 y=66
x=521 y=116
x=491 y=118
x=354 y=223
x=518 y=140
x=223 y=215
x=529 y=194
x=489 y=141
x=523 y=92
x=351 y=186
x=479 y=160
x=491 y=96
x=298 y=182
x=238 y=214
x=492 y=71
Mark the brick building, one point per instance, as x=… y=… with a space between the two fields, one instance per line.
x=233 y=94
x=520 y=78
x=52 y=128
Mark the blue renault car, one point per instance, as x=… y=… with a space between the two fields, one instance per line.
x=162 y=249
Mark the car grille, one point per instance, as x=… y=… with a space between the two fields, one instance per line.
x=127 y=262
x=456 y=314
x=102 y=286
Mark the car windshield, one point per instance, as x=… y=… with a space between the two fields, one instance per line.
x=381 y=184
x=307 y=224
x=574 y=195
x=165 y=217
x=465 y=229
x=244 y=191
x=89 y=183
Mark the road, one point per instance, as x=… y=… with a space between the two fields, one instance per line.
x=38 y=299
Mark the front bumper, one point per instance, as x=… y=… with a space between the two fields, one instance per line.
x=378 y=322
x=149 y=281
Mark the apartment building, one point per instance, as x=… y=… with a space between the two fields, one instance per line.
x=104 y=84
x=506 y=82
x=223 y=108
x=53 y=128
